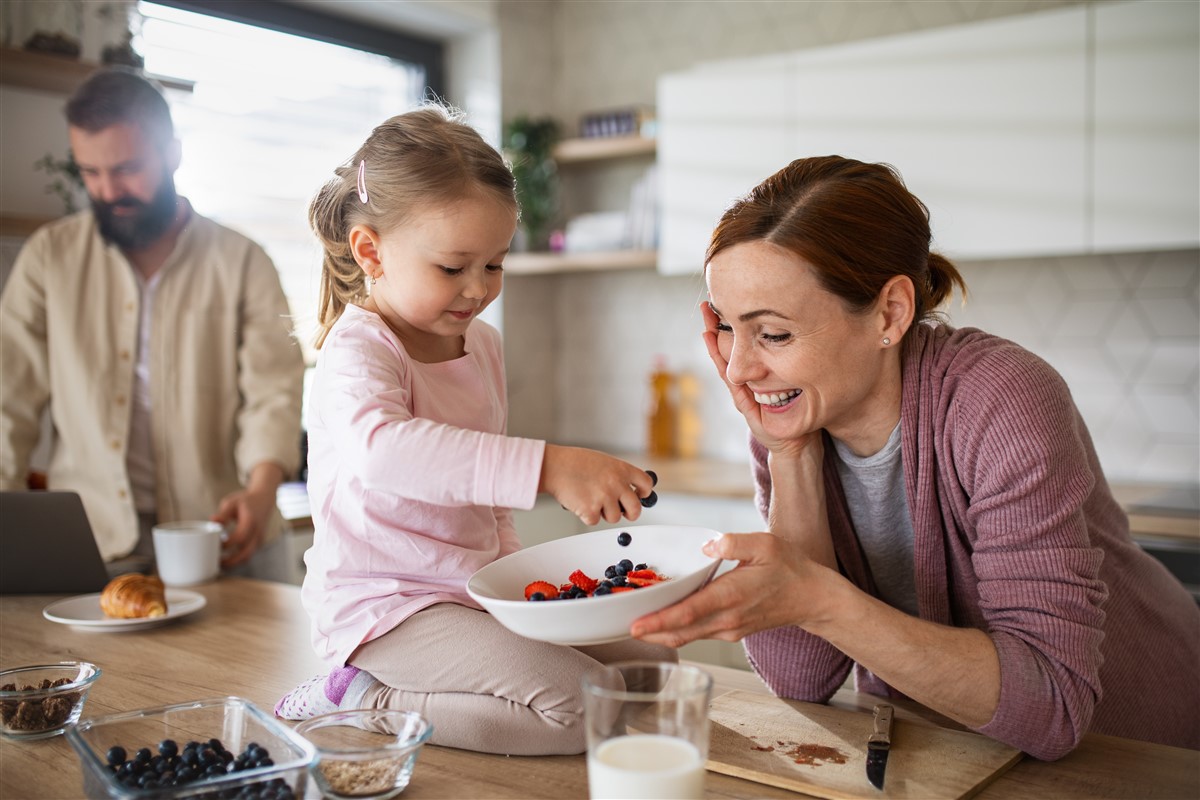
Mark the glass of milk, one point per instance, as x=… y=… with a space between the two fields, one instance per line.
x=647 y=730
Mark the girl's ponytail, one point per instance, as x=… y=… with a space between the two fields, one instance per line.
x=342 y=281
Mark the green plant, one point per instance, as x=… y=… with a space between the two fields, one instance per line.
x=529 y=144
x=66 y=182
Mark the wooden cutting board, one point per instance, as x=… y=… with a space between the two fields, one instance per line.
x=761 y=738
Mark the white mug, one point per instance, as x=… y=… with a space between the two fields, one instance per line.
x=188 y=552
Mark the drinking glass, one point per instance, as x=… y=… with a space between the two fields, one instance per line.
x=647 y=730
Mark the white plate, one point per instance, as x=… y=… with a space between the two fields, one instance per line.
x=84 y=611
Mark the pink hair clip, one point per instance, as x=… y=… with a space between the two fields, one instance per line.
x=362 y=180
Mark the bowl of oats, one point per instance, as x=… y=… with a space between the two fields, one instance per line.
x=43 y=700
x=364 y=754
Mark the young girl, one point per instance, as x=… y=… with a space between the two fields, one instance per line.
x=411 y=475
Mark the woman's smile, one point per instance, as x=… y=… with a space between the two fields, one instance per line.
x=777 y=401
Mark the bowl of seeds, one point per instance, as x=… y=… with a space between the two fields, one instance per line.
x=364 y=754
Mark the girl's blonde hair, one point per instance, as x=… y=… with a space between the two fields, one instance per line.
x=411 y=162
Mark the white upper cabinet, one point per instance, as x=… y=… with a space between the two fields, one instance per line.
x=1147 y=112
x=986 y=124
x=730 y=127
x=1006 y=129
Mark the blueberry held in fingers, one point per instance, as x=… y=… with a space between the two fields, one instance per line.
x=649 y=500
x=653 y=477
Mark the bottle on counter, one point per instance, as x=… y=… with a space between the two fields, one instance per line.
x=688 y=425
x=661 y=418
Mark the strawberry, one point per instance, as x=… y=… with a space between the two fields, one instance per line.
x=583 y=581
x=547 y=589
x=618 y=589
x=644 y=574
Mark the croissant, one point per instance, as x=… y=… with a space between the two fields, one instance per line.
x=133 y=595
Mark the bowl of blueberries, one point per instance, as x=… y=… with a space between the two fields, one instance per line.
x=589 y=588
x=224 y=747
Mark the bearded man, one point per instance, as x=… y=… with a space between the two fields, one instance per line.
x=159 y=341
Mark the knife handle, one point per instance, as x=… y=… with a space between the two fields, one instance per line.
x=883 y=724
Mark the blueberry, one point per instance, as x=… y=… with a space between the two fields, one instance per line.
x=602 y=589
x=650 y=500
x=653 y=477
x=619 y=581
x=610 y=572
x=564 y=595
x=640 y=566
x=168 y=748
x=143 y=755
x=624 y=566
x=623 y=538
x=537 y=596
x=116 y=755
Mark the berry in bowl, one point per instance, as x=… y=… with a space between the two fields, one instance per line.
x=44 y=700
x=589 y=588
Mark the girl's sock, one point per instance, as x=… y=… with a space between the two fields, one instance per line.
x=343 y=688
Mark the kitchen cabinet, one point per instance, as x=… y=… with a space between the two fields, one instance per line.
x=722 y=129
x=1029 y=135
x=573 y=158
x=1147 y=126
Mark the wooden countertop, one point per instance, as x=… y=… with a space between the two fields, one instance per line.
x=251 y=640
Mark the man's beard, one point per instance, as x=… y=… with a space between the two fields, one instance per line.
x=135 y=231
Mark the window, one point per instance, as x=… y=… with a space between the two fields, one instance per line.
x=270 y=117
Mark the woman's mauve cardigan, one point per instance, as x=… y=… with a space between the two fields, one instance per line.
x=1016 y=533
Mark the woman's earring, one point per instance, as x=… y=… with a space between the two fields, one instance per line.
x=886 y=341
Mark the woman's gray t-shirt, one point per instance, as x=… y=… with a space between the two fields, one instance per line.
x=874 y=489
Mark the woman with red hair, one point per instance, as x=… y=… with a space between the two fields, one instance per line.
x=938 y=518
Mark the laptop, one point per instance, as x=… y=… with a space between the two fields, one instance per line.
x=47 y=546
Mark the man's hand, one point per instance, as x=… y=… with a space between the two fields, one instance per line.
x=246 y=513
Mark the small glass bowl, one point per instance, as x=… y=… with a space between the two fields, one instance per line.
x=365 y=754
x=40 y=701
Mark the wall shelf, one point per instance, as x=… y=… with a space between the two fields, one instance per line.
x=26 y=69
x=546 y=263
x=12 y=225
x=574 y=151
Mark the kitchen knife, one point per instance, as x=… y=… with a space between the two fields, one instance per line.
x=878 y=745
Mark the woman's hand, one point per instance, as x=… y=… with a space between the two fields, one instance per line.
x=774 y=584
x=593 y=485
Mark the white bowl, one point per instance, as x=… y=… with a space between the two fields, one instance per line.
x=671 y=550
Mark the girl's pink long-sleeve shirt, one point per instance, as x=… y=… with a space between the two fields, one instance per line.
x=411 y=479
